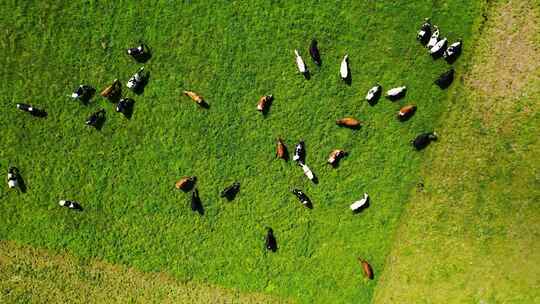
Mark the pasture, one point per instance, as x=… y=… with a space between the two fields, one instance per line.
x=232 y=53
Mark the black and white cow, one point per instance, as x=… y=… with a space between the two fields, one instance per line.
x=125 y=106
x=140 y=53
x=453 y=51
x=31 y=109
x=70 y=204
x=374 y=94
x=138 y=80
x=439 y=48
x=83 y=93
x=425 y=32
x=422 y=140
x=396 y=93
x=96 y=119
x=303 y=198
x=360 y=204
x=13 y=177
x=300 y=152
x=434 y=38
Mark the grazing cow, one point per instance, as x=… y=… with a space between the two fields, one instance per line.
x=231 y=191
x=396 y=93
x=374 y=94
x=270 y=241
x=314 y=52
x=406 y=112
x=439 y=48
x=125 y=106
x=302 y=197
x=453 y=51
x=70 y=204
x=300 y=152
x=445 y=79
x=31 y=109
x=281 y=149
x=349 y=123
x=264 y=103
x=360 y=204
x=344 y=68
x=83 y=93
x=96 y=119
x=196 y=98
x=434 y=38
x=186 y=183
x=307 y=172
x=422 y=140
x=425 y=32
x=13 y=177
x=300 y=63
x=368 y=271
x=335 y=156
x=136 y=82
x=140 y=53
x=196 y=203
x=112 y=91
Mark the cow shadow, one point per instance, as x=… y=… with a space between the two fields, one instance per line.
x=196 y=203
x=22 y=184
x=86 y=98
x=307 y=75
x=39 y=113
x=453 y=58
x=205 y=105
x=348 y=80
x=130 y=107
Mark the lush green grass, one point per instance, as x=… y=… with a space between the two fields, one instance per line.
x=232 y=53
x=472 y=235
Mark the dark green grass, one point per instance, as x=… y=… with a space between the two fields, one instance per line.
x=232 y=53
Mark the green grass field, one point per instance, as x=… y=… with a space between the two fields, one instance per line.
x=232 y=53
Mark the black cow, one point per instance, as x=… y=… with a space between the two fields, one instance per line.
x=270 y=242
x=125 y=106
x=96 y=119
x=83 y=93
x=231 y=191
x=303 y=198
x=140 y=53
x=445 y=79
x=421 y=141
x=314 y=52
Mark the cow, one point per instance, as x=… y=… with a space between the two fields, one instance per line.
x=314 y=52
x=422 y=140
x=300 y=63
x=186 y=183
x=125 y=106
x=73 y=205
x=374 y=94
x=438 y=49
x=13 y=177
x=270 y=241
x=140 y=53
x=231 y=191
x=300 y=152
x=366 y=268
x=281 y=149
x=425 y=32
x=302 y=197
x=406 y=112
x=349 y=122
x=360 y=204
x=434 y=38
x=396 y=93
x=335 y=156
x=96 y=119
x=83 y=93
x=196 y=98
x=344 y=68
x=264 y=103
x=138 y=80
x=31 y=109
x=445 y=79
x=307 y=172
x=196 y=203
x=453 y=51
x=112 y=91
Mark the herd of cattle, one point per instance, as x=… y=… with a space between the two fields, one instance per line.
x=428 y=35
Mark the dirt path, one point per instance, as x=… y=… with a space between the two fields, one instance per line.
x=473 y=233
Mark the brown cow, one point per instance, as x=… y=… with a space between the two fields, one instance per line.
x=186 y=183
x=264 y=103
x=281 y=149
x=348 y=122
x=113 y=90
x=406 y=112
x=335 y=156
x=368 y=271
x=197 y=98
